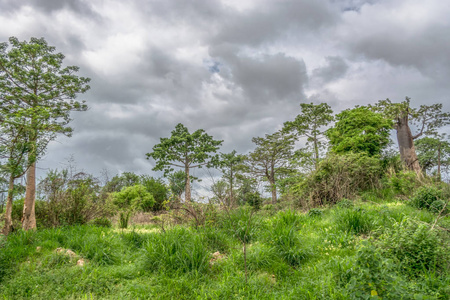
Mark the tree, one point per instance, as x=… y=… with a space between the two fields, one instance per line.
x=309 y=124
x=230 y=164
x=427 y=117
x=184 y=150
x=14 y=147
x=359 y=130
x=433 y=152
x=271 y=158
x=34 y=83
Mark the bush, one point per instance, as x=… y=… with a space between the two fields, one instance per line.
x=341 y=176
x=425 y=196
x=403 y=182
x=414 y=247
x=134 y=197
x=254 y=199
x=102 y=222
x=345 y=203
x=438 y=206
x=176 y=250
x=369 y=275
x=356 y=221
x=315 y=212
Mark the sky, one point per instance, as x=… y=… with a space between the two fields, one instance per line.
x=236 y=68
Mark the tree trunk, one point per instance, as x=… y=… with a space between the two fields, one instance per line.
x=9 y=203
x=316 y=154
x=29 y=217
x=187 y=189
x=439 y=163
x=406 y=145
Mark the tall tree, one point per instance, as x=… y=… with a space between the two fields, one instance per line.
x=359 y=130
x=185 y=150
x=311 y=123
x=33 y=81
x=271 y=158
x=433 y=152
x=427 y=118
x=230 y=164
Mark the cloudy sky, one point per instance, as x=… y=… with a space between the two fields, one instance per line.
x=236 y=68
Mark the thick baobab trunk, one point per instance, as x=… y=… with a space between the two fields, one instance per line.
x=29 y=217
x=406 y=145
x=8 y=213
x=187 y=188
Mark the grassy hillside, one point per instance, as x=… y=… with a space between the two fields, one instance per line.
x=353 y=250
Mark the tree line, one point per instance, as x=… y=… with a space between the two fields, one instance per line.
x=38 y=94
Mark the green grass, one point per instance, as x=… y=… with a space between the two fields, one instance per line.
x=342 y=252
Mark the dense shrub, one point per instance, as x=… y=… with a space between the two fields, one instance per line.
x=414 y=247
x=65 y=199
x=102 y=222
x=425 y=196
x=315 y=212
x=402 y=182
x=341 y=176
x=345 y=203
x=253 y=199
x=134 y=197
x=368 y=275
x=176 y=250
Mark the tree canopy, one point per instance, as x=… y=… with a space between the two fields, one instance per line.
x=184 y=150
x=359 y=130
x=36 y=87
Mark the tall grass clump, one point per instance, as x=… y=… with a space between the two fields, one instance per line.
x=284 y=239
x=176 y=250
x=357 y=221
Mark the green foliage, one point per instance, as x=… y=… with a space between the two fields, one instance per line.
x=176 y=250
x=118 y=182
x=134 y=197
x=284 y=239
x=425 y=196
x=70 y=199
x=359 y=130
x=177 y=183
x=403 y=182
x=240 y=223
x=356 y=221
x=345 y=203
x=157 y=189
x=370 y=276
x=428 y=151
x=414 y=247
x=253 y=199
x=184 y=150
x=438 y=206
x=340 y=176
x=271 y=158
x=315 y=212
x=102 y=222
x=124 y=218
x=309 y=124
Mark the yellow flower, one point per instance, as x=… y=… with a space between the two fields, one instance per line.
x=373 y=293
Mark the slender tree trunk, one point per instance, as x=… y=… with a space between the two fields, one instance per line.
x=439 y=163
x=406 y=145
x=316 y=154
x=231 y=189
x=9 y=203
x=273 y=188
x=187 y=189
x=29 y=217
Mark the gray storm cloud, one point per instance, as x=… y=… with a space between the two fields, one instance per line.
x=237 y=69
